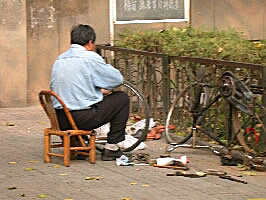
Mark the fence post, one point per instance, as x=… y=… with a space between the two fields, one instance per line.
x=264 y=105
x=166 y=85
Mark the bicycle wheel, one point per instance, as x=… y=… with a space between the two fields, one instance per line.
x=186 y=110
x=139 y=112
x=190 y=112
x=180 y=120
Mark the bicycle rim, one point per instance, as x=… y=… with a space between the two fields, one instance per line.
x=139 y=110
x=179 y=121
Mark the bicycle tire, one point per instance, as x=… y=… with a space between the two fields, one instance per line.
x=179 y=135
x=138 y=107
x=182 y=116
x=193 y=114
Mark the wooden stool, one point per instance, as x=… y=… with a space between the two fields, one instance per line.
x=66 y=136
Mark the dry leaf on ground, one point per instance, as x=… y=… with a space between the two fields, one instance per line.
x=10 y=124
x=28 y=169
x=42 y=196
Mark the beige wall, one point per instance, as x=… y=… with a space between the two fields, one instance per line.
x=48 y=28
x=98 y=17
x=33 y=34
x=248 y=16
x=13 y=59
x=42 y=45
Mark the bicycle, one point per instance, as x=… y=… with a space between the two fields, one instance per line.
x=139 y=110
x=197 y=112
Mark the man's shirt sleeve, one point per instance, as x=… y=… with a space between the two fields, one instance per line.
x=105 y=75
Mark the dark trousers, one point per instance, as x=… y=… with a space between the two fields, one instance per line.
x=114 y=109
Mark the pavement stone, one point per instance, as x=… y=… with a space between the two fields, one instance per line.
x=23 y=144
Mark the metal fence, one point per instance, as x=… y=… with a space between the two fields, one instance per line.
x=161 y=77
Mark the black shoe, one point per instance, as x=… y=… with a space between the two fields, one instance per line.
x=108 y=155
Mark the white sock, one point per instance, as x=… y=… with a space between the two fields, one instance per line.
x=112 y=147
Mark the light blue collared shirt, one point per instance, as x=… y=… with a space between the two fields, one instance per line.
x=78 y=75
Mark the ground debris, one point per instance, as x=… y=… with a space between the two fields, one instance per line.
x=243 y=160
x=220 y=174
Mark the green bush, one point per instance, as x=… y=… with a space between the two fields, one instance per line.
x=222 y=45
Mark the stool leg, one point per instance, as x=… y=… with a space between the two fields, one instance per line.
x=92 y=158
x=67 y=150
x=47 y=146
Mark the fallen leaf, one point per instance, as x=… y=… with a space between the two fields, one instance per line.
x=22 y=195
x=257 y=199
x=10 y=124
x=42 y=196
x=93 y=178
x=12 y=188
x=68 y=199
x=133 y=183
x=12 y=162
x=250 y=173
x=126 y=198
x=56 y=166
x=33 y=161
x=220 y=49
x=28 y=169
x=89 y=178
x=63 y=174
x=145 y=185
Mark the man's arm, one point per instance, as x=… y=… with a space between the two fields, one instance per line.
x=105 y=75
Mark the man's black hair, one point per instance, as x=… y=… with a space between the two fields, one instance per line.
x=82 y=34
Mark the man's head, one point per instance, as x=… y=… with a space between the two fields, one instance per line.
x=83 y=35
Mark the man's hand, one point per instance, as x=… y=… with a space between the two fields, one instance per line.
x=105 y=92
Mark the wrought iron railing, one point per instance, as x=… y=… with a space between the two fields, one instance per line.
x=161 y=76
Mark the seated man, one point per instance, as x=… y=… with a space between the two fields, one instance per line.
x=84 y=81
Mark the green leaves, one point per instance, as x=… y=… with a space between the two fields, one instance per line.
x=201 y=42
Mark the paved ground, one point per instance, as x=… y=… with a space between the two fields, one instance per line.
x=24 y=175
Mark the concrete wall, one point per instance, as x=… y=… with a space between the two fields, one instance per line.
x=48 y=35
x=33 y=34
x=42 y=45
x=248 y=16
x=13 y=56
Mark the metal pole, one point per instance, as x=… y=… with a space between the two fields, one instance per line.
x=166 y=85
x=264 y=105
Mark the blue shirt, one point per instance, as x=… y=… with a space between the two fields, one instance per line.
x=78 y=75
